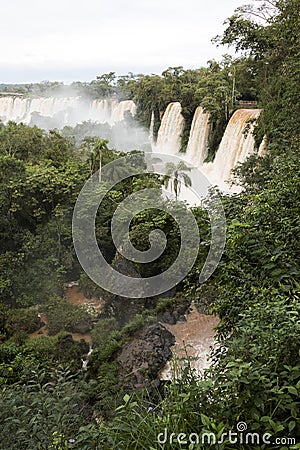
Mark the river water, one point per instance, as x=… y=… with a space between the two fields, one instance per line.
x=193 y=338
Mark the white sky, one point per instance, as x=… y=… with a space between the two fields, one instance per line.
x=77 y=40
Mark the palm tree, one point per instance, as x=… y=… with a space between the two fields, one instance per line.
x=175 y=175
x=97 y=147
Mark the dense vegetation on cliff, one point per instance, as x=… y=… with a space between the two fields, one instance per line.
x=255 y=290
x=47 y=400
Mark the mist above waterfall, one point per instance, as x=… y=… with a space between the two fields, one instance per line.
x=124 y=135
x=62 y=110
x=79 y=116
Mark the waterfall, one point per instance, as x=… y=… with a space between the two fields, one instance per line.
x=23 y=109
x=119 y=110
x=169 y=133
x=65 y=110
x=151 y=129
x=111 y=111
x=197 y=147
x=235 y=147
x=262 y=150
x=100 y=110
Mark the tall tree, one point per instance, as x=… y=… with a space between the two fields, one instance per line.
x=269 y=32
x=97 y=149
x=175 y=175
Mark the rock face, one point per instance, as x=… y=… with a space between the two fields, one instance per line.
x=123 y=309
x=142 y=359
x=176 y=313
x=82 y=327
x=67 y=348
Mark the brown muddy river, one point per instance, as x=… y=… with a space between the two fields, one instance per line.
x=75 y=297
x=194 y=338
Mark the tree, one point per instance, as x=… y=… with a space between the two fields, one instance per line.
x=97 y=150
x=104 y=85
x=177 y=173
x=22 y=142
x=32 y=144
x=269 y=33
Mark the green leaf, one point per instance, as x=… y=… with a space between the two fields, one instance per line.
x=292 y=425
x=126 y=398
x=292 y=390
x=205 y=420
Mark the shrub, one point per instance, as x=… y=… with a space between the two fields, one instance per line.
x=22 y=320
x=62 y=316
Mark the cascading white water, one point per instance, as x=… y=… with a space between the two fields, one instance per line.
x=100 y=110
x=262 y=150
x=67 y=110
x=22 y=109
x=119 y=110
x=111 y=111
x=197 y=147
x=169 y=133
x=151 y=129
x=235 y=147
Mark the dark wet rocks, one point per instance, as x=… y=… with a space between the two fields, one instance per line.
x=141 y=359
x=123 y=309
x=176 y=313
x=82 y=327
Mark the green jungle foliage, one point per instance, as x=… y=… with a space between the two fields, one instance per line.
x=48 y=401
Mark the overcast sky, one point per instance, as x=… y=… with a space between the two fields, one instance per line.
x=62 y=40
